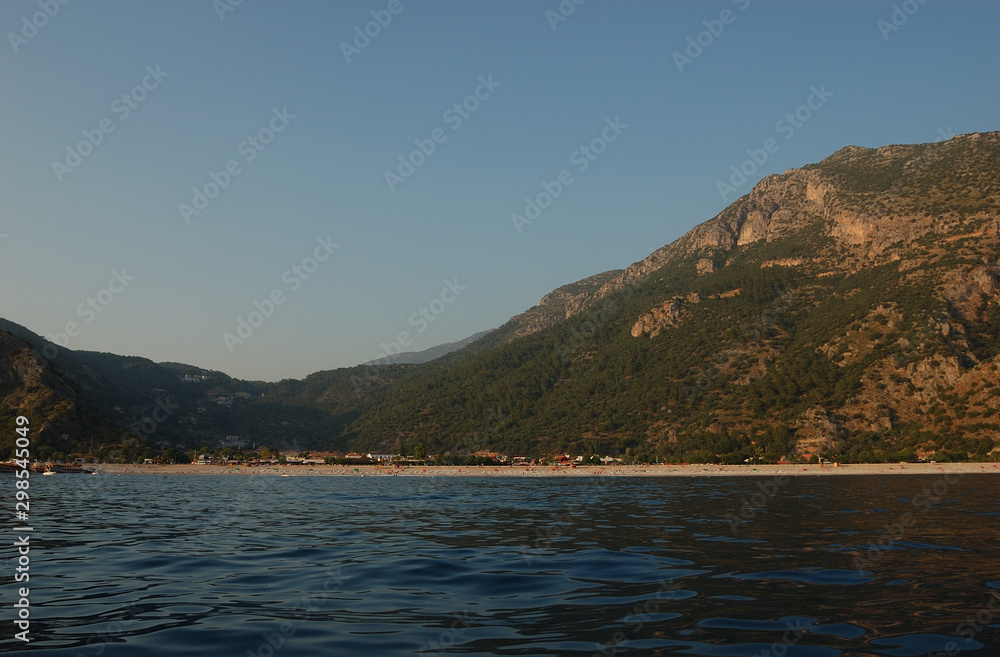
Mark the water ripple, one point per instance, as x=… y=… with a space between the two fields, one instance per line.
x=158 y=566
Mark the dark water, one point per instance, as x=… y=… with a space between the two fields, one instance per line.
x=202 y=565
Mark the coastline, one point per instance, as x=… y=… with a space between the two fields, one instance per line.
x=552 y=471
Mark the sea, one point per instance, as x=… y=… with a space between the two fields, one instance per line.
x=377 y=566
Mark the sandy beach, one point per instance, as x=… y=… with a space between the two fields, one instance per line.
x=561 y=471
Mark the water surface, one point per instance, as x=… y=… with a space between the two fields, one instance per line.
x=744 y=567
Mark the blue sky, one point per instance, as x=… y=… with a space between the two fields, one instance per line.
x=213 y=83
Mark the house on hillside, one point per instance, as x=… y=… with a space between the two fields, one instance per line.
x=496 y=456
x=232 y=442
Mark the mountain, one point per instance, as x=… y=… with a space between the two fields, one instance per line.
x=132 y=406
x=57 y=408
x=849 y=308
x=418 y=357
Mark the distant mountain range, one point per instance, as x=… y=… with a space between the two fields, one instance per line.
x=427 y=355
x=849 y=308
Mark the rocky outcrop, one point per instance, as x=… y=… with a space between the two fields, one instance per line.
x=754 y=228
x=665 y=316
x=782 y=262
x=558 y=305
x=968 y=290
x=816 y=192
x=936 y=374
x=816 y=432
x=874 y=204
x=850 y=228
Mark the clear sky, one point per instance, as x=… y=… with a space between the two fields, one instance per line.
x=171 y=93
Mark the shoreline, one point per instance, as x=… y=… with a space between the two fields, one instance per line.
x=552 y=471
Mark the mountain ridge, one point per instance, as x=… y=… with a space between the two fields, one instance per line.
x=429 y=354
x=848 y=307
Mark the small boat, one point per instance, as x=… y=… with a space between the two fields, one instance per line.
x=49 y=472
x=53 y=468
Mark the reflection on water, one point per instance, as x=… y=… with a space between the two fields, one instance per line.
x=202 y=565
